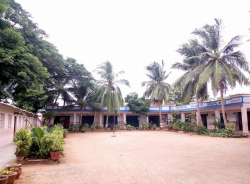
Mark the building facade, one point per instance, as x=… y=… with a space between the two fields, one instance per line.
x=11 y=120
x=237 y=110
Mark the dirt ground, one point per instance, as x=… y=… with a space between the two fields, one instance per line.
x=144 y=157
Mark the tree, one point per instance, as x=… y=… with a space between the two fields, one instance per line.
x=137 y=105
x=186 y=83
x=175 y=96
x=156 y=88
x=220 y=65
x=82 y=92
x=110 y=93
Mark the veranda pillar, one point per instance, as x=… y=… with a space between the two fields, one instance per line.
x=183 y=117
x=74 y=118
x=244 y=120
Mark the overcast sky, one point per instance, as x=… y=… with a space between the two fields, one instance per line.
x=133 y=33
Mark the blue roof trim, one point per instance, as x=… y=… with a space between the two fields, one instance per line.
x=190 y=107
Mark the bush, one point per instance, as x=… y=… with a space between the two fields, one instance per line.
x=200 y=129
x=23 y=142
x=176 y=126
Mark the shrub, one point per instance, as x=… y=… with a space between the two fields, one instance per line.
x=200 y=129
x=176 y=126
x=23 y=142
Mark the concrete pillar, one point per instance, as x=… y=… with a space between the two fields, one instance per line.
x=183 y=117
x=244 y=120
x=217 y=115
x=74 y=118
x=101 y=119
x=170 y=116
x=147 y=119
x=124 y=118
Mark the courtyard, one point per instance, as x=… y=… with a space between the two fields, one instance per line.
x=144 y=157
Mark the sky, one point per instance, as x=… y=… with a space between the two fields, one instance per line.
x=132 y=34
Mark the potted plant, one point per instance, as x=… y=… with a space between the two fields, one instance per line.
x=11 y=175
x=125 y=125
x=154 y=126
x=83 y=129
x=17 y=170
x=101 y=127
x=93 y=127
x=23 y=143
x=106 y=128
x=65 y=131
x=4 y=179
x=55 y=147
x=71 y=128
x=14 y=164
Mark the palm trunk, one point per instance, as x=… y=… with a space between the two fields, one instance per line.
x=199 y=120
x=81 y=117
x=222 y=104
x=160 y=114
x=107 y=120
x=54 y=105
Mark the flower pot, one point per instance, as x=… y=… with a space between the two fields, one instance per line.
x=20 y=157
x=55 y=155
x=64 y=135
x=18 y=171
x=15 y=166
x=4 y=179
x=12 y=177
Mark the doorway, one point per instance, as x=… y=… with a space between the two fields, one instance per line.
x=154 y=120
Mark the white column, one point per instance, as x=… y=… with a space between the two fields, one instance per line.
x=170 y=116
x=101 y=119
x=183 y=117
x=124 y=118
x=217 y=114
x=244 y=120
x=74 y=118
x=147 y=118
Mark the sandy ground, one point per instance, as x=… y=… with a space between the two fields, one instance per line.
x=144 y=157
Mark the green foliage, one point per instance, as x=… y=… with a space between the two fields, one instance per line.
x=23 y=142
x=137 y=105
x=49 y=115
x=145 y=125
x=110 y=92
x=154 y=126
x=199 y=129
x=93 y=127
x=177 y=126
x=101 y=127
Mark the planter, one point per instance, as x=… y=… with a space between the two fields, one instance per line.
x=55 y=155
x=12 y=177
x=18 y=171
x=15 y=166
x=64 y=135
x=20 y=157
x=3 y=179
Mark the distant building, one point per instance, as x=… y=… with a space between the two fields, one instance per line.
x=236 y=111
x=11 y=120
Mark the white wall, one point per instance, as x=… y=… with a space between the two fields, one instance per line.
x=6 y=129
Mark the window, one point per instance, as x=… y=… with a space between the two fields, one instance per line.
x=1 y=121
x=9 y=121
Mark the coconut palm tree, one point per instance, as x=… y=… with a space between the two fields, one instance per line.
x=188 y=87
x=156 y=88
x=110 y=93
x=220 y=65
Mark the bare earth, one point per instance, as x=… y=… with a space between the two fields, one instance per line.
x=144 y=157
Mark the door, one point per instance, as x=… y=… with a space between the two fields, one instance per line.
x=204 y=119
x=110 y=120
x=154 y=120
x=133 y=120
